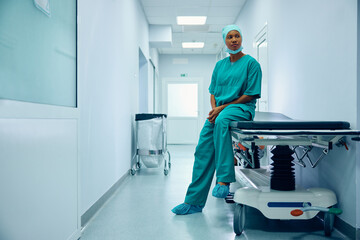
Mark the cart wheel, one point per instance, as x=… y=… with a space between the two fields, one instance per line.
x=239 y=219
x=328 y=223
x=132 y=171
x=166 y=172
x=169 y=161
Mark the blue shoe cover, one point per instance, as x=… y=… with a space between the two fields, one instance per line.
x=184 y=209
x=220 y=191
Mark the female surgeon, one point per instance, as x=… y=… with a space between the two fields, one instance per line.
x=234 y=88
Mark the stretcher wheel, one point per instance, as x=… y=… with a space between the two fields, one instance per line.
x=138 y=165
x=239 y=218
x=328 y=223
x=166 y=172
x=132 y=171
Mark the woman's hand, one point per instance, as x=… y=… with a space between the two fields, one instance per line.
x=216 y=110
x=214 y=113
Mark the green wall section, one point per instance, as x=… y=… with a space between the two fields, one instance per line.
x=38 y=53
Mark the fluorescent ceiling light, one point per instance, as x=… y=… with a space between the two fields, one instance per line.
x=191 y=20
x=193 y=44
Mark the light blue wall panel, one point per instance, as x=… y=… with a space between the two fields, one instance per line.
x=38 y=52
x=38 y=179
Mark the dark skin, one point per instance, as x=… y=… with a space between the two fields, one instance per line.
x=233 y=41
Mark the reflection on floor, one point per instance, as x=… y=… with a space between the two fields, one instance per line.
x=140 y=210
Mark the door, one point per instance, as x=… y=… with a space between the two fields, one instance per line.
x=143 y=83
x=39 y=121
x=261 y=44
x=182 y=103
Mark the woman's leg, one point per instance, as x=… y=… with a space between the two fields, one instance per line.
x=204 y=167
x=224 y=156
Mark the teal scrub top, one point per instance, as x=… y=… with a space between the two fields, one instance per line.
x=231 y=80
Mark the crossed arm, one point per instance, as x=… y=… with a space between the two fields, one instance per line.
x=216 y=110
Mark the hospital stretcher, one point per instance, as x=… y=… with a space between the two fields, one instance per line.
x=272 y=189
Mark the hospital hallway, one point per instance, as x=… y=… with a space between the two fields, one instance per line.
x=140 y=209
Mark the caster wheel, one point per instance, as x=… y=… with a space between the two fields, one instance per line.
x=132 y=171
x=230 y=198
x=166 y=172
x=328 y=223
x=169 y=165
x=138 y=165
x=239 y=219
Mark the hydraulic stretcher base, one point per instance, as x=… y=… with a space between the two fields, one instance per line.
x=299 y=204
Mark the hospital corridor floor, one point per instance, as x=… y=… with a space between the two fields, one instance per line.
x=141 y=210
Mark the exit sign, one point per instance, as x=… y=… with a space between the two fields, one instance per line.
x=183 y=75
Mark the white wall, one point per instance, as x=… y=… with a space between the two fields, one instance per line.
x=312 y=76
x=110 y=35
x=39 y=171
x=41 y=145
x=197 y=66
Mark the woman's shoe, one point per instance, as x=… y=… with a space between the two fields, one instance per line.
x=184 y=209
x=220 y=191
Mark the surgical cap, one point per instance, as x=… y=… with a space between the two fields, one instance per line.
x=229 y=28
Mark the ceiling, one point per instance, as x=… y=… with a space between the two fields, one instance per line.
x=219 y=14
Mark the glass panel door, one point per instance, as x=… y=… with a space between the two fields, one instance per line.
x=182 y=100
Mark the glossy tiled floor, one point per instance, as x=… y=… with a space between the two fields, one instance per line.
x=140 y=210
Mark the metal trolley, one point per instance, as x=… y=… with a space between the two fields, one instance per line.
x=151 y=142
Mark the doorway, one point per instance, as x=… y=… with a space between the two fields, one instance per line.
x=182 y=102
x=261 y=44
x=143 y=83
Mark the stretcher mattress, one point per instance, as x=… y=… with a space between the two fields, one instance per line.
x=277 y=121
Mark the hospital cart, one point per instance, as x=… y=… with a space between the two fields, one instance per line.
x=272 y=189
x=151 y=144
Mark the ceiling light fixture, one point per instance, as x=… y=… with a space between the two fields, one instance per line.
x=191 y=20
x=193 y=44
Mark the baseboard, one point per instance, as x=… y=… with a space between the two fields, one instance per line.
x=85 y=218
x=75 y=236
x=346 y=228
x=343 y=227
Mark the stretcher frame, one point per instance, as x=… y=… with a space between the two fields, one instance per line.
x=283 y=203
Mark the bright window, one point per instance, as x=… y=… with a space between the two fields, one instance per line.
x=183 y=99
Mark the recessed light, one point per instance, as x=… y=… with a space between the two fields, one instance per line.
x=193 y=44
x=191 y=20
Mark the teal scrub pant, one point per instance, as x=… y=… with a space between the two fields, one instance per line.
x=214 y=152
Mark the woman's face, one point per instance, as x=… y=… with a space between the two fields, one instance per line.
x=233 y=40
